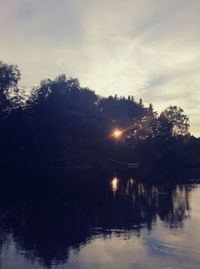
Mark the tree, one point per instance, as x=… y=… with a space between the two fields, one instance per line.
x=174 y=121
x=145 y=127
x=9 y=77
x=64 y=123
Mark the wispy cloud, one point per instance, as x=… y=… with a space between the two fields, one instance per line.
x=149 y=48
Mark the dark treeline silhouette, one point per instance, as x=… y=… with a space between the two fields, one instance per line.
x=61 y=124
x=68 y=214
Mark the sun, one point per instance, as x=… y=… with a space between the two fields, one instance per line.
x=117 y=133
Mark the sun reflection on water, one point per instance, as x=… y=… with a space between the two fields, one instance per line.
x=115 y=184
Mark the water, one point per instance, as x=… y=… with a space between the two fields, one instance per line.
x=88 y=222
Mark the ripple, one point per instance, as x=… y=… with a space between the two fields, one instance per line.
x=169 y=249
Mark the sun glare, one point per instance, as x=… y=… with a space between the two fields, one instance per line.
x=117 y=133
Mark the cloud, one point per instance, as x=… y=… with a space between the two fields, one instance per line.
x=149 y=48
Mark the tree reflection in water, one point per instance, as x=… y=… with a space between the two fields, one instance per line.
x=167 y=201
x=50 y=219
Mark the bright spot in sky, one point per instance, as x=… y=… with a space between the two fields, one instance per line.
x=117 y=133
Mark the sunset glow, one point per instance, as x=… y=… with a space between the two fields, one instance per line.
x=117 y=133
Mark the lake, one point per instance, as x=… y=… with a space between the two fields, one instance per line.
x=104 y=221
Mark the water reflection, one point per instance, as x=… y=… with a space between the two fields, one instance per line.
x=114 y=184
x=167 y=201
x=47 y=222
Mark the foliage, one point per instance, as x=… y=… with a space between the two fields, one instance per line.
x=179 y=122
x=62 y=124
x=9 y=77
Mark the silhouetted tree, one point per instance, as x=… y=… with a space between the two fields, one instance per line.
x=174 y=117
x=62 y=123
x=9 y=77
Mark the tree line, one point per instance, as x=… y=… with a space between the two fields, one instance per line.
x=60 y=123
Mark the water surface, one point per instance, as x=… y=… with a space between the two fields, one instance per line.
x=100 y=222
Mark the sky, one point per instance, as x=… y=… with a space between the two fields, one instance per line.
x=145 y=48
